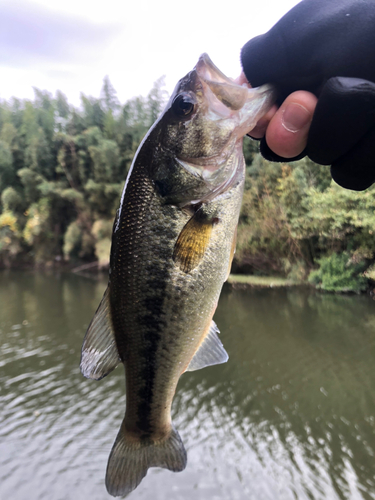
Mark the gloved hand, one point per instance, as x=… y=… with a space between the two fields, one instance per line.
x=326 y=47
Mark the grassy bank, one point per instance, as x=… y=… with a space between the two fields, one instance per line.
x=261 y=281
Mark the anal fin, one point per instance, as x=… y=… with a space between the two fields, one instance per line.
x=210 y=352
x=99 y=351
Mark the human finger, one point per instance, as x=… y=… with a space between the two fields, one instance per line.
x=260 y=128
x=287 y=132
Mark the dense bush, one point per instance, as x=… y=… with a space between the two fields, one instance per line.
x=293 y=215
x=338 y=273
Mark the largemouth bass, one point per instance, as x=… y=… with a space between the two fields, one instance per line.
x=172 y=246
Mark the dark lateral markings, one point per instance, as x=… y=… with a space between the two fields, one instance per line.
x=153 y=325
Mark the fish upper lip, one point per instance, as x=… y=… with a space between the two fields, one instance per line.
x=205 y=64
x=227 y=91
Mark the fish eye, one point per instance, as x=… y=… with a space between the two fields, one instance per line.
x=183 y=105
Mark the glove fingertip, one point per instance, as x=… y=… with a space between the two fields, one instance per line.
x=269 y=155
x=356 y=179
x=344 y=113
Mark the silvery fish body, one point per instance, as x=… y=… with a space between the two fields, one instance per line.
x=172 y=247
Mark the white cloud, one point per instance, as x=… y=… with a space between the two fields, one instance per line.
x=32 y=35
x=70 y=45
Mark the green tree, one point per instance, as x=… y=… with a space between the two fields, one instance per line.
x=7 y=173
x=93 y=114
x=156 y=100
x=108 y=97
x=62 y=105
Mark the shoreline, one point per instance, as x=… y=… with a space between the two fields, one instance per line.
x=251 y=281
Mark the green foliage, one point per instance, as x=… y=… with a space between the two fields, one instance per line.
x=8 y=134
x=102 y=250
x=7 y=173
x=338 y=273
x=38 y=154
x=293 y=215
x=93 y=111
x=72 y=240
x=11 y=199
x=10 y=238
x=30 y=181
x=103 y=198
x=370 y=273
x=156 y=100
x=106 y=160
x=337 y=214
x=37 y=217
x=265 y=240
x=62 y=169
x=108 y=97
x=62 y=105
x=102 y=231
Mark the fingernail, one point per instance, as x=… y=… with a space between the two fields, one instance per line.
x=295 y=117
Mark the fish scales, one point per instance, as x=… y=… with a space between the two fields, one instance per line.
x=138 y=330
x=172 y=246
x=155 y=330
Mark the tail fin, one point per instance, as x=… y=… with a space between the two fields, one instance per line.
x=129 y=460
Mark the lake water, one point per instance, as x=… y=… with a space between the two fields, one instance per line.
x=290 y=416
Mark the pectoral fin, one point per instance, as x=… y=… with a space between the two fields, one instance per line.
x=193 y=241
x=99 y=350
x=210 y=352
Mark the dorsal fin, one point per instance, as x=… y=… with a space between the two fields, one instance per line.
x=210 y=352
x=99 y=350
x=193 y=241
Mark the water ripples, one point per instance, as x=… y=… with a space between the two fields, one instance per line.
x=290 y=416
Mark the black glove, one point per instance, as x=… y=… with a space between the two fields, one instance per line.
x=326 y=47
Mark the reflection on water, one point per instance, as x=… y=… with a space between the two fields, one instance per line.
x=290 y=416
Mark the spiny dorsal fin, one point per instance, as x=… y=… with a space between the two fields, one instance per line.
x=99 y=350
x=210 y=352
x=193 y=241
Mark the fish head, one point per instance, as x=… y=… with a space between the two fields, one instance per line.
x=202 y=128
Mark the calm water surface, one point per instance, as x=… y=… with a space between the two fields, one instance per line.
x=290 y=416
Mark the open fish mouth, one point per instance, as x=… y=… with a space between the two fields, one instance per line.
x=229 y=107
x=233 y=96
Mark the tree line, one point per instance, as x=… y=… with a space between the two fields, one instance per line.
x=62 y=170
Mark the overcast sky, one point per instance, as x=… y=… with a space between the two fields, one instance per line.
x=72 y=44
